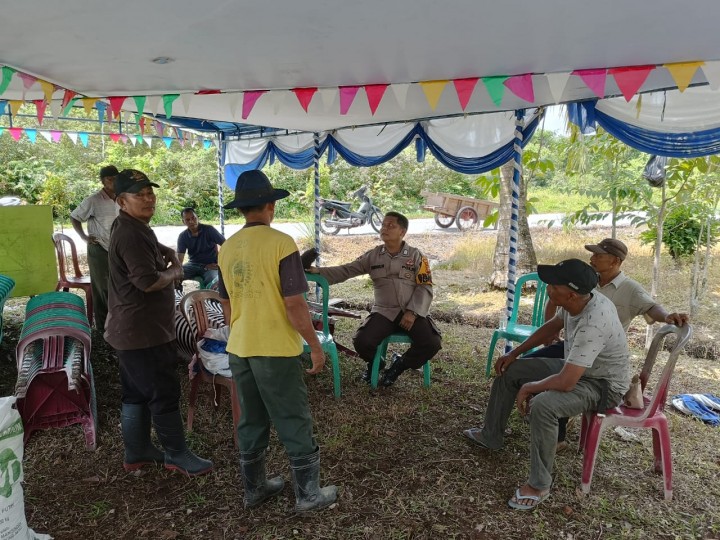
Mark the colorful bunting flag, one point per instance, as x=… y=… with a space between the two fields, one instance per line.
x=277 y=99
x=140 y=106
x=208 y=92
x=433 y=90
x=557 y=83
x=167 y=141
x=151 y=104
x=304 y=96
x=31 y=134
x=594 y=79
x=712 y=74
x=148 y=140
x=116 y=103
x=2 y=130
x=159 y=127
x=327 y=96
x=115 y=137
x=45 y=135
x=235 y=103
x=683 y=73
x=56 y=108
x=3 y=106
x=68 y=100
x=123 y=138
x=7 y=73
x=249 y=100
x=48 y=89
x=89 y=104
x=15 y=132
x=400 y=91
x=495 y=87
x=168 y=100
x=522 y=87
x=141 y=125
x=206 y=144
x=375 y=93
x=28 y=80
x=15 y=105
x=73 y=136
x=56 y=136
x=185 y=100
x=40 y=105
x=630 y=79
x=84 y=138
x=464 y=89
x=101 y=106
x=347 y=96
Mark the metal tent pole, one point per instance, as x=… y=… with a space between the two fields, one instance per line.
x=316 y=165
x=514 y=214
x=220 y=181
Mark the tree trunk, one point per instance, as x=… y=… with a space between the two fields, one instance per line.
x=650 y=332
x=526 y=259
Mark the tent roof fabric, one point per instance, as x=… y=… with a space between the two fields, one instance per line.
x=107 y=48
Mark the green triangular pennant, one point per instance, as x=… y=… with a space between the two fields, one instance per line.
x=140 y=106
x=495 y=88
x=7 y=73
x=167 y=102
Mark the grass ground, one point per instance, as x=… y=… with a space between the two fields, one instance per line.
x=403 y=469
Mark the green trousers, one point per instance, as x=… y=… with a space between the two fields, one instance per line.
x=272 y=389
x=99 y=274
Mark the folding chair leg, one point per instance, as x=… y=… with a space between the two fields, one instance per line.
x=192 y=399
x=663 y=436
x=592 y=444
x=336 y=372
x=491 y=353
x=379 y=355
x=426 y=374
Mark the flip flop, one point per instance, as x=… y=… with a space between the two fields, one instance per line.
x=534 y=500
x=472 y=435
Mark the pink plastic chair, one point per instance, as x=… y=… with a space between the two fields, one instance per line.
x=652 y=416
x=194 y=309
x=76 y=281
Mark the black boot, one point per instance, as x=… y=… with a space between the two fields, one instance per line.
x=257 y=487
x=139 y=449
x=178 y=457
x=367 y=374
x=394 y=371
x=306 y=484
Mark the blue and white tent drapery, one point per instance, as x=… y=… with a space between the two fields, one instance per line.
x=470 y=145
x=668 y=123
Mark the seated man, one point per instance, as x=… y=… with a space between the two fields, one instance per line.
x=594 y=374
x=201 y=242
x=403 y=293
x=629 y=297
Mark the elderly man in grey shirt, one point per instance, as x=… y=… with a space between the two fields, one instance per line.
x=594 y=374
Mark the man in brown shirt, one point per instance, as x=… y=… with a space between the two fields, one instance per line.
x=141 y=327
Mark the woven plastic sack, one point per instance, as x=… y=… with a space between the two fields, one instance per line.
x=12 y=504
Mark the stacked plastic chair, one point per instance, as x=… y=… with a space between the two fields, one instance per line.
x=7 y=284
x=55 y=386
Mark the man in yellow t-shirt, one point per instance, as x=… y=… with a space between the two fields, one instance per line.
x=262 y=286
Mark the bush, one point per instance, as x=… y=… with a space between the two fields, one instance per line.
x=681 y=231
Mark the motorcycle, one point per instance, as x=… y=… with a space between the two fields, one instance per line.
x=336 y=215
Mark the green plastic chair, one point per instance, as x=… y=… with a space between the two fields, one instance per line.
x=398 y=337
x=515 y=332
x=324 y=335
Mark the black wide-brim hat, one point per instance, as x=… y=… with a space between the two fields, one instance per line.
x=253 y=189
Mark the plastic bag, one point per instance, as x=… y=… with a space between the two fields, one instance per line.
x=12 y=504
x=212 y=351
x=654 y=171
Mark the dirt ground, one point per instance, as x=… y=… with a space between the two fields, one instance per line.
x=397 y=455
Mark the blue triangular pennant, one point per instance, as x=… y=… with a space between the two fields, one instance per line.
x=31 y=134
x=84 y=138
x=168 y=141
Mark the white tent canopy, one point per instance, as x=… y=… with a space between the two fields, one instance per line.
x=101 y=49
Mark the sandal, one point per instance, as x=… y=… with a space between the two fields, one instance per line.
x=472 y=434
x=515 y=503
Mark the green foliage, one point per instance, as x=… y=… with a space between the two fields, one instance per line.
x=55 y=192
x=681 y=232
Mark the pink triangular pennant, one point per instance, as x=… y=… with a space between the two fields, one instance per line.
x=159 y=128
x=630 y=79
x=249 y=100
x=594 y=79
x=15 y=132
x=124 y=138
x=40 y=105
x=115 y=137
x=375 y=93
x=56 y=135
x=304 y=96
x=28 y=80
x=347 y=96
x=116 y=103
x=464 y=89
x=522 y=87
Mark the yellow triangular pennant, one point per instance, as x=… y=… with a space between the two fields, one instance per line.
x=89 y=104
x=48 y=89
x=683 y=72
x=433 y=90
x=15 y=105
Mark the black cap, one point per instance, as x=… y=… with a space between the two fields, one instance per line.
x=110 y=170
x=131 y=181
x=573 y=273
x=253 y=189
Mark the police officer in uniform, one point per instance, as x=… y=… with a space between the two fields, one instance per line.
x=403 y=292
